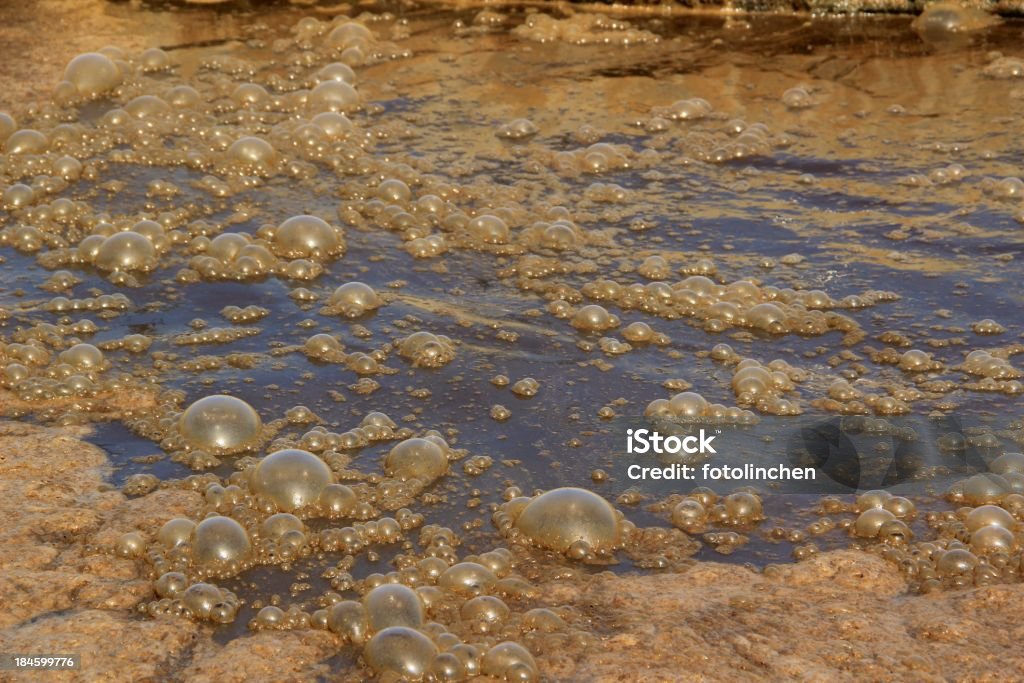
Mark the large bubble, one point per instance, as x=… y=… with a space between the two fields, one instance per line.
x=416 y=458
x=353 y=299
x=393 y=604
x=220 y=544
x=306 y=237
x=126 y=251
x=291 y=479
x=400 y=650
x=559 y=518
x=92 y=74
x=253 y=153
x=220 y=424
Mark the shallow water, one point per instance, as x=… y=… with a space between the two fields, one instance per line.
x=852 y=192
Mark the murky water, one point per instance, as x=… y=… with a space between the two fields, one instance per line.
x=811 y=225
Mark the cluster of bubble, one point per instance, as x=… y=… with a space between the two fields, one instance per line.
x=329 y=349
x=517 y=129
x=483 y=632
x=352 y=300
x=258 y=519
x=691 y=407
x=573 y=521
x=242 y=316
x=761 y=386
x=983 y=363
x=884 y=516
x=738 y=304
x=599 y=157
x=34 y=374
x=582 y=29
x=426 y=349
x=214 y=335
x=296 y=249
x=702 y=509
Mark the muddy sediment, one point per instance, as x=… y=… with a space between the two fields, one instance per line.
x=844 y=615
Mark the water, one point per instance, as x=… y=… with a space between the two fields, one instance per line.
x=892 y=180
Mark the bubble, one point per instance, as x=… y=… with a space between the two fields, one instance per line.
x=488 y=229
x=126 y=251
x=175 y=532
x=220 y=424
x=131 y=544
x=638 y=332
x=66 y=167
x=416 y=458
x=468 y=578
x=993 y=539
x=956 y=562
x=291 y=479
x=561 y=517
x=517 y=129
x=92 y=74
x=692 y=109
x=7 y=125
x=394 y=191
x=200 y=599
x=253 y=153
x=220 y=544
x=154 y=59
x=347 y=35
x=170 y=585
x=689 y=515
x=506 y=656
x=393 y=605
x=767 y=317
x=743 y=507
x=485 y=609
x=402 y=651
x=270 y=617
x=688 y=404
x=797 y=98
x=561 y=235
x=940 y=20
x=26 y=141
x=984 y=488
x=354 y=299
x=427 y=350
x=307 y=237
x=1008 y=462
x=182 y=97
x=84 y=357
x=336 y=500
x=987 y=326
x=870 y=521
x=334 y=96
x=336 y=71
x=594 y=318
x=526 y=387
x=988 y=515
x=348 y=619
x=335 y=125
x=447 y=667
x=147 y=106
x=277 y=525
x=873 y=499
